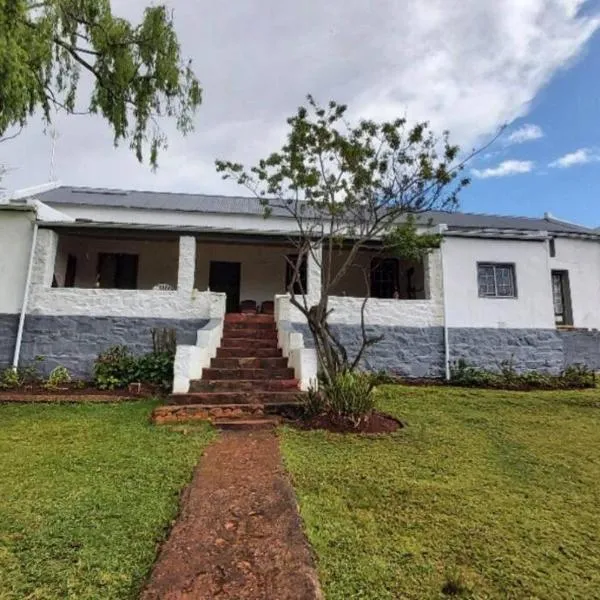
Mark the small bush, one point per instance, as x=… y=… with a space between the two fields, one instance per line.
x=58 y=376
x=11 y=378
x=156 y=368
x=115 y=368
x=574 y=376
x=314 y=403
x=350 y=395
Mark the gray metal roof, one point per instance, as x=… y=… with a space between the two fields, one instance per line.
x=203 y=203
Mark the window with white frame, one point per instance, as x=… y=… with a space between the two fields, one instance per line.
x=496 y=280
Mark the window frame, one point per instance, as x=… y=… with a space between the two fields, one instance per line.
x=498 y=265
x=389 y=264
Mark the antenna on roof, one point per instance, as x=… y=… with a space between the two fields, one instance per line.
x=54 y=135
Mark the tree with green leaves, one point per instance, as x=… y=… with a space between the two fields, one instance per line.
x=137 y=71
x=352 y=187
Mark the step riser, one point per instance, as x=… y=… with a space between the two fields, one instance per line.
x=214 y=398
x=248 y=318
x=250 y=334
x=246 y=326
x=232 y=385
x=248 y=353
x=249 y=363
x=247 y=374
x=197 y=412
x=249 y=343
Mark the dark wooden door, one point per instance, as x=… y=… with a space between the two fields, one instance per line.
x=225 y=277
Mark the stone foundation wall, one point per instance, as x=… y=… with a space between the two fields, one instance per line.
x=8 y=335
x=526 y=349
x=581 y=346
x=405 y=351
x=419 y=352
x=76 y=341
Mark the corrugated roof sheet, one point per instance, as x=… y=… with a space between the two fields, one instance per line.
x=203 y=203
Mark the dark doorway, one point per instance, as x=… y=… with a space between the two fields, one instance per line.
x=118 y=271
x=225 y=277
x=561 y=296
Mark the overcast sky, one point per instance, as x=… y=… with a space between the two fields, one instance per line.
x=466 y=65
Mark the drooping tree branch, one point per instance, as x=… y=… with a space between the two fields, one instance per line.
x=138 y=73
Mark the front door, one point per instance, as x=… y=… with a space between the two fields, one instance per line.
x=561 y=295
x=225 y=277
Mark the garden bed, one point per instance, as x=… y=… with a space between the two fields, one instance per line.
x=77 y=392
x=373 y=424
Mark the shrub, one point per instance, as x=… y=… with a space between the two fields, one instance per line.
x=350 y=395
x=578 y=376
x=58 y=376
x=574 y=376
x=314 y=403
x=14 y=378
x=155 y=368
x=115 y=368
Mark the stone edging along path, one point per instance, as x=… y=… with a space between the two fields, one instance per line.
x=239 y=535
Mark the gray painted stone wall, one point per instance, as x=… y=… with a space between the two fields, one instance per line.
x=581 y=346
x=8 y=335
x=527 y=349
x=75 y=341
x=419 y=352
x=405 y=351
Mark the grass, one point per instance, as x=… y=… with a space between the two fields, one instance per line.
x=86 y=493
x=485 y=494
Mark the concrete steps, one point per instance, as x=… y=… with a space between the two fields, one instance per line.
x=246 y=386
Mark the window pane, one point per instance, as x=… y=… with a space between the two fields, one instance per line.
x=485 y=280
x=505 y=281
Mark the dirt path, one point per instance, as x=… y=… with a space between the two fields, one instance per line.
x=239 y=535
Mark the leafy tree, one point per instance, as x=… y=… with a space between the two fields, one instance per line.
x=137 y=70
x=352 y=187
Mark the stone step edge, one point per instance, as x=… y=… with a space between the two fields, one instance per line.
x=246 y=424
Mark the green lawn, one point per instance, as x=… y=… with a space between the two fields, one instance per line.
x=86 y=492
x=485 y=494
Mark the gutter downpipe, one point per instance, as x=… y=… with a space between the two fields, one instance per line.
x=19 y=339
x=442 y=228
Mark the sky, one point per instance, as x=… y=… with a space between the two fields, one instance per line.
x=470 y=66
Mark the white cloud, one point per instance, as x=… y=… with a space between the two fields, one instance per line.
x=579 y=157
x=467 y=66
x=507 y=167
x=526 y=133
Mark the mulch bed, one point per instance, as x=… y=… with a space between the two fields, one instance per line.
x=239 y=535
x=376 y=423
x=75 y=393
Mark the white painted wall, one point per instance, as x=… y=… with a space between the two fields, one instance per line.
x=531 y=309
x=16 y=231
x=405 y=313
x=262 y=267
x=184 y=303
x=581 y=258
x=158 y=260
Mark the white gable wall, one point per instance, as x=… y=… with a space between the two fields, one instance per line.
x=581 y=258
x=533 y=306
x=16 y=230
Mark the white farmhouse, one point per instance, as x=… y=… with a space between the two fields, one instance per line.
x=83 y=269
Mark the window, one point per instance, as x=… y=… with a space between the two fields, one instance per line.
x=496 y=280
x=384 y=277
x=117 y=271
x=561 y=297
x=552 y=247
x=300 y=285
